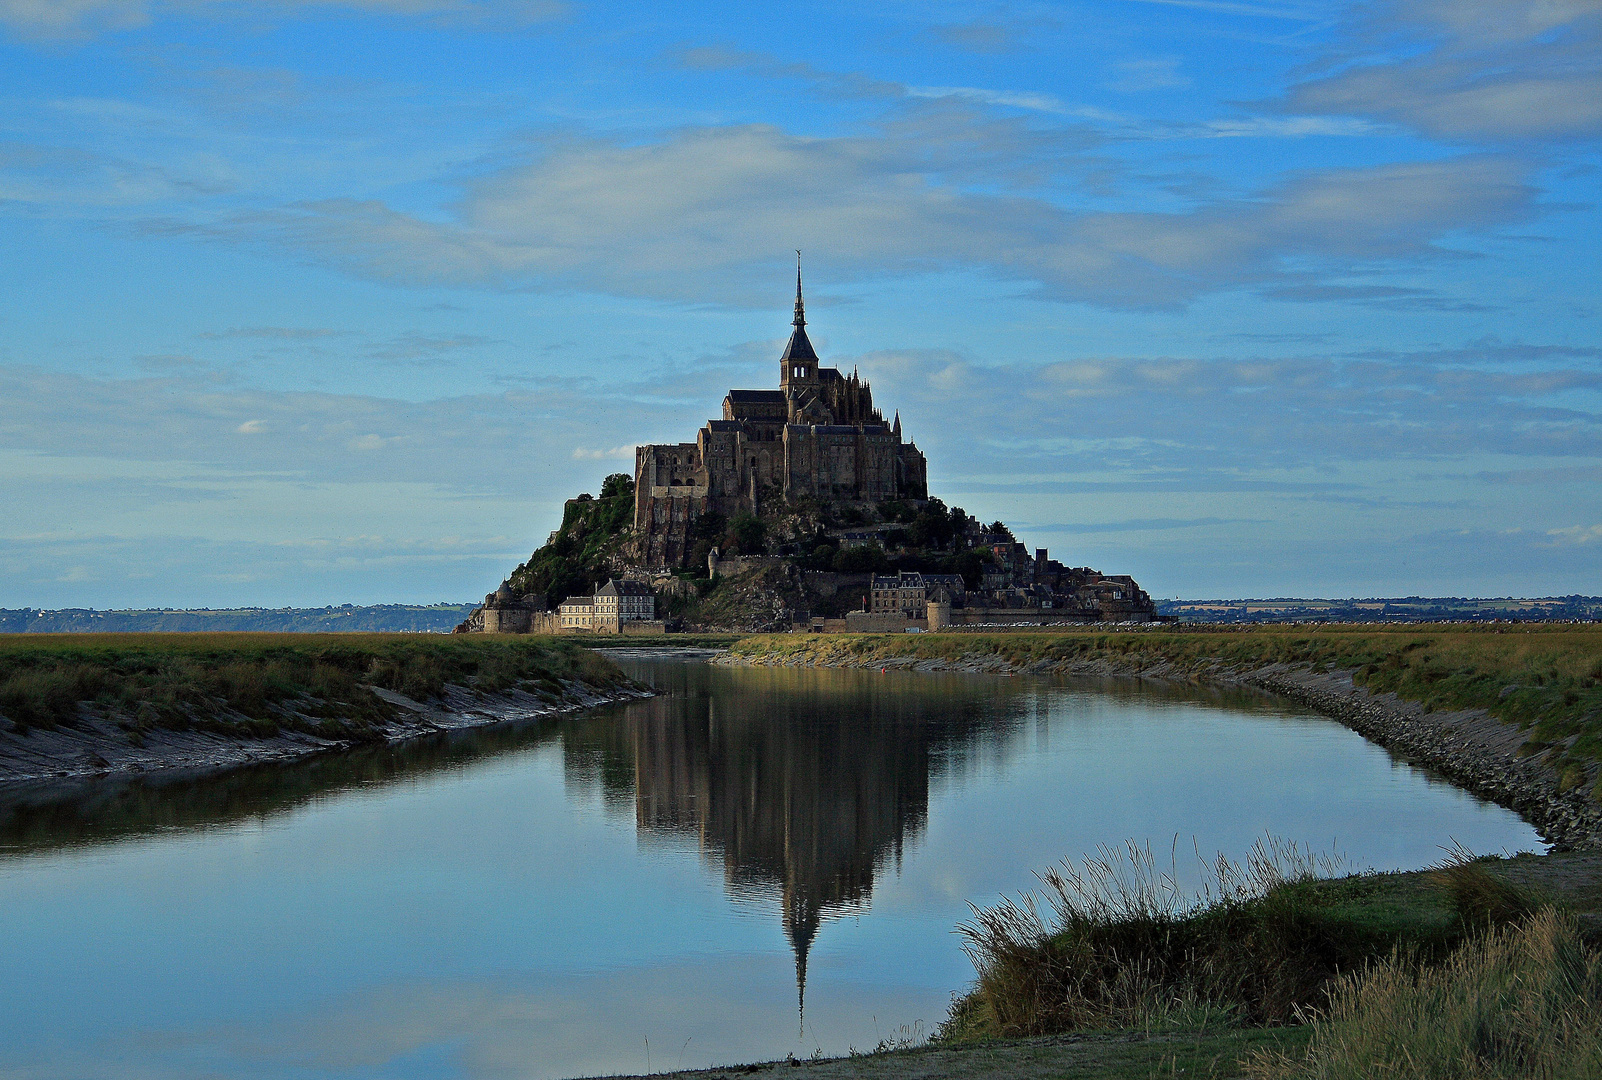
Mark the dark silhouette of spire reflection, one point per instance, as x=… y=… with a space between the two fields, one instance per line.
x=806 y=787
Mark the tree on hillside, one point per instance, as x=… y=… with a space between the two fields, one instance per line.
x=932 y=527
x=746 y=533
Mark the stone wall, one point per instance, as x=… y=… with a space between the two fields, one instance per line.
x=864 y=622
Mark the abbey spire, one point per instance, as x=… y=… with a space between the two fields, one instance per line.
x=798 y=365
x=800 y=308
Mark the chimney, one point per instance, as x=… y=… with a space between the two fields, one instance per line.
x=1040 y=557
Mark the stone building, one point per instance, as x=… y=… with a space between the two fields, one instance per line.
x=622 y=601
x=1014 y=590
x=907 y=593
x=576 y=613
x=505 y=612
x=818 y=435
x=618 y=607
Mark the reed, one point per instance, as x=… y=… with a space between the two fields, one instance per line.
x=1522 y=1003
x=1113 y=941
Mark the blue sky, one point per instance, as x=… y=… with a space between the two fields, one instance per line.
x=307 y=302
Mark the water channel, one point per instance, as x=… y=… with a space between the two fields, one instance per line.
x=754 y=863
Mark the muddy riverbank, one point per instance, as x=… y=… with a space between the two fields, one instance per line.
x=97 y=746
x=76 y=705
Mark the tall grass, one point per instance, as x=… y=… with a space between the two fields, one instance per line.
x=1521 y=1003
x=1114 y=941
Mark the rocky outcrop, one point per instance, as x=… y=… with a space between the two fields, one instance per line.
x=1472 y=749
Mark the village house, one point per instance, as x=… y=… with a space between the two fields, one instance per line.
x=620 y=606
x=907 y=593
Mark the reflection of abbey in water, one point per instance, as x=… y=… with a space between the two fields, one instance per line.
x=813 y=806
x=804 y=790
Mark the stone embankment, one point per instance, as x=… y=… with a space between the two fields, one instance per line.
x=97 y=747
x=1472 y=749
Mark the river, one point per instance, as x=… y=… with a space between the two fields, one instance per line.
x=757 y=862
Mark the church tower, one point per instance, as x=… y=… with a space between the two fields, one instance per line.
x=798 y=367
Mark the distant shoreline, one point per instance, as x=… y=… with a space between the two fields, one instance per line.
x=339 y=619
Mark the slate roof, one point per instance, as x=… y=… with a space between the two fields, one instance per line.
x=800 y=347
x=757 y=397
x=913 y=579
x=614 y=587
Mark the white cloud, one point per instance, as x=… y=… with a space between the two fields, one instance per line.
x=1577 y=534
x=1277 y=127
x=1151 y=73
x=1477 y=70
x=702 y=213
x=72 y=18
x=352 y=496
x=1014 y=99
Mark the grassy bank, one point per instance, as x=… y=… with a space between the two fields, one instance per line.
x=1547 y=679
x=603 y=642
x=259 y=684
x=1456 y=972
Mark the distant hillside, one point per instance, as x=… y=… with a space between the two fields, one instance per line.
x=1378 y=609
x=379 y=618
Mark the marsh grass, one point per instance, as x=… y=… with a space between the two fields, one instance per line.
x=259 y=684
x=1523 y=1002
x=1115 y=942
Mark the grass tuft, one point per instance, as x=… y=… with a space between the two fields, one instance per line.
x=1523 y=1003
x=1114 y=942
x=1480 y=899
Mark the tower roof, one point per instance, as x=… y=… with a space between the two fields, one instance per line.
x=800 y=346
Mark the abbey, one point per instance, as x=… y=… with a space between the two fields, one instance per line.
x=817 y=436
